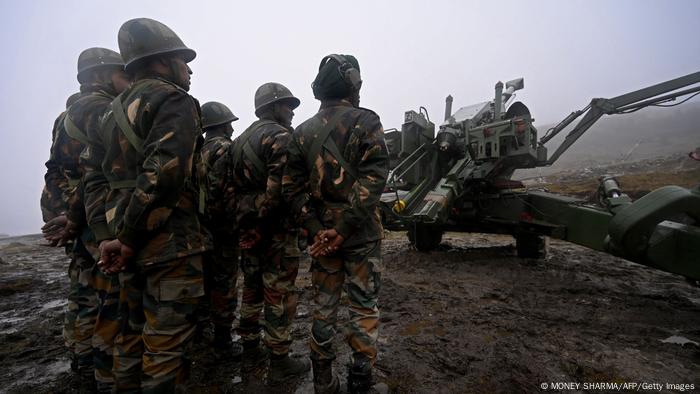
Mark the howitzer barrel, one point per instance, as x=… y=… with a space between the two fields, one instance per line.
x=448 y=107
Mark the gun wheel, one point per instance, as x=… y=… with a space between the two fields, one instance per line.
x=425 y=237
x=531 y=246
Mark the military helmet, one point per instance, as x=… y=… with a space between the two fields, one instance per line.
x=141 y=38
x=215 y=114
x=93 y=58
x=272 y=92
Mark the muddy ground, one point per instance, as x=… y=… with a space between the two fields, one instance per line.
x=470 y=317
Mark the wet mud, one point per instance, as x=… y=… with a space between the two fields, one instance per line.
x=469 y=317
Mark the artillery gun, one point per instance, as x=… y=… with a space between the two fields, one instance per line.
x=460 y=180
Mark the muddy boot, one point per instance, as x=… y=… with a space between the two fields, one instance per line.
x=253 y=354
x=223 y=345
x=360 y=375
x=105 y=388
x=86 y=375
x=325 y=381
x=283 y=367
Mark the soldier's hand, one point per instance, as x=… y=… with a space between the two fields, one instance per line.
x=326 y=243
x=319 y=244
x=53 y=229
x=114 y=256
x=70 y=231
x=56 y=223
x=336 y=240
x=109 y=252
x=126 y=253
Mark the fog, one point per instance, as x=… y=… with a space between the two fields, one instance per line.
x=411 y=54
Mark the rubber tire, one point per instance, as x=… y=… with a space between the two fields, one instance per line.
x=428 y=237
x=531 y=246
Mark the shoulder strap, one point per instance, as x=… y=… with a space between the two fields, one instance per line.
x=333 y=148
x=242 y=145
x=123 y=123
x=73 y=131
x=321 y=140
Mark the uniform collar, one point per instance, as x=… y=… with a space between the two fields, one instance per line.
x=87 y=88
x=335 y=103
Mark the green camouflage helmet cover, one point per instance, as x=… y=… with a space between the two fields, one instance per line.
x=141 y=38
x=215 y=114
x=94 y=58
x=272 y=92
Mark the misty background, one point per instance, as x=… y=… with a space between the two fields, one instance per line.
x=411 y=53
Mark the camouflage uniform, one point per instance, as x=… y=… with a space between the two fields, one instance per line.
x=150 y=203
x=271 y=266
x=324 y=194
x=101 y=292
x=54 y=203
x=221 y=265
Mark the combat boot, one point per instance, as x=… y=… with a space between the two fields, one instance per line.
x=360 y=375
x=105 y=388
x=325 y=381
x=224 y=346
x=283 y=367
x=86 y=376
x=253 y=354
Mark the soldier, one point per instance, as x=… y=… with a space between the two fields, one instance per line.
x=151 y=136
x=53 y=212
x=221 y=265
x=101 y=76
x=269 y=242
x=336 y=171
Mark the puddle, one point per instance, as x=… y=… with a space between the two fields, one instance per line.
x=678 y=340
x=53 y=304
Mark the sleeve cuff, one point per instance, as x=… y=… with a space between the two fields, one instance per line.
x=130 y=237
x=344 y=229
x=313 y=225
x=101 y=231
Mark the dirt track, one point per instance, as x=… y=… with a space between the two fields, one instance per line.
x=470 y=317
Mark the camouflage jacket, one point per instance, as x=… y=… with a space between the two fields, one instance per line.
x=214 y=148
x=53 y=196
x=85 y=115
x=257 y=195
x=326 y=195
x=144 y=192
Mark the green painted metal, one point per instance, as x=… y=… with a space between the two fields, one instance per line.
x=461 y=181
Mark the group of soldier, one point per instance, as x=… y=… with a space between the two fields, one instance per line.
x=157 y=219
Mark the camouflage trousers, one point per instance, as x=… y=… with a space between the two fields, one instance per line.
x=157 y=318
x=106 y=326
x=270 y=271
x=361 y=265
x=71 y=309
x=220 y=275
x=87 y=306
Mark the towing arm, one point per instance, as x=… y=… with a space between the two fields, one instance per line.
x=630 y=102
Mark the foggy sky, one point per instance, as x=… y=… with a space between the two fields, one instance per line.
x=411 y=53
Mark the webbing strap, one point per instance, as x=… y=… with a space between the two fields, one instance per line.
x=253 y=157
x=322 y=140
x=123 y=184
x=124 y=126
x=74 y=132
x=241 y=145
